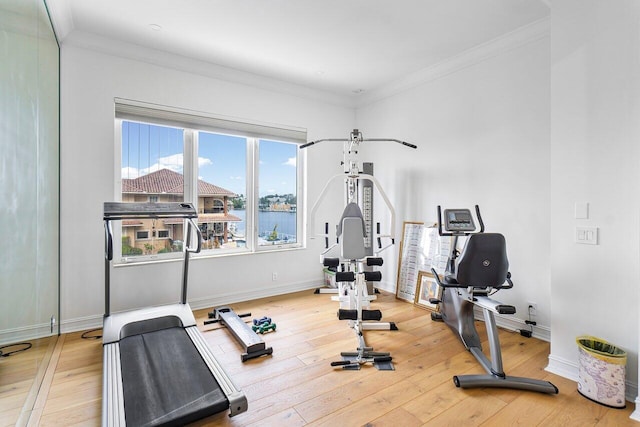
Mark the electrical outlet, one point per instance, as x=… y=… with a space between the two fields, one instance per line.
x=274 y=276
x=532 y=308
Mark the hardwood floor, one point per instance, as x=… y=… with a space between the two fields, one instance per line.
x=296 y=385
x=20 y=377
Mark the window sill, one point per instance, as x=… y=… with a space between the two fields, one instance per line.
x=208 y=255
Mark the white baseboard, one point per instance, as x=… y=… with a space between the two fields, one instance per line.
x=635 y=415
x=81 y=324
x=387 y=286
x=91 y=322
x=267 y=291
x=506 y=322
x=562 y=367
x=512 y=323
x=25 y=333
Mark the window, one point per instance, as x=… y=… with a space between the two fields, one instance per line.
x=222 y=168
x=151 y=171
x=277 y=218
x=244 y=179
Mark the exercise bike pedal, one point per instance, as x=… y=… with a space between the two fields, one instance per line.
x=505 y=309
x=436 y=317
x=434 y=301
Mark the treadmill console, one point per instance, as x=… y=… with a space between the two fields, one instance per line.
x=458 y=221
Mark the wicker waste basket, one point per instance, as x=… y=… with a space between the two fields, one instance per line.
x=601 y=371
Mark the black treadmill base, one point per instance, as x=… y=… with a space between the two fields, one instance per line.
x=165 y=380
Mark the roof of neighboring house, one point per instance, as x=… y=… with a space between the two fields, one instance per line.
x=165 y=181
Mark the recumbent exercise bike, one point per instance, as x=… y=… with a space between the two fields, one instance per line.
x=471 y=276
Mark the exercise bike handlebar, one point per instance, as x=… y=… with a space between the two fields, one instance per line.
x=480 y=219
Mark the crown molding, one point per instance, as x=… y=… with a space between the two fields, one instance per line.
x=63 y=23
x=61 y=17
x=498 y=46
x=97 y=43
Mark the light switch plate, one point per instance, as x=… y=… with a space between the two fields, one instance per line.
x=587 y=235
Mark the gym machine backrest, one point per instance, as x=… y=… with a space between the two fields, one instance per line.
x=351 y=233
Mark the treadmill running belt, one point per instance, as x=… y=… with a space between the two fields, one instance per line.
x=165 y=380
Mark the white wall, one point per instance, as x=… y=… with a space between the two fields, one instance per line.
x=90 y=81
x=595 y=129
x=525 y=133
x=483 y=138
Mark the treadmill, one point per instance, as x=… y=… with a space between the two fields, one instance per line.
x=157 y=368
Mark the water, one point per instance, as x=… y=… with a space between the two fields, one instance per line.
x=267 y=220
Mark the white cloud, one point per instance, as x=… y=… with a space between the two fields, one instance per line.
x=172 y=162
x=203 y=161
x=130 y=173
x=291 y=161
x=236 y=178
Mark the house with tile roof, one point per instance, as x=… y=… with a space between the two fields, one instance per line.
x=152 y=236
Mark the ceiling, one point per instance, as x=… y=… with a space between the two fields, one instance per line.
x=345 y=47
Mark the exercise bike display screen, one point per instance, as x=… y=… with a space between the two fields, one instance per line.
x=458 y=220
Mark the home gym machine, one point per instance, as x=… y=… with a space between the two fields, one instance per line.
x=471 y=277
x=354 y=275
x=252 y=344
x=157 y=366
x=351 y=232
x=359 y=188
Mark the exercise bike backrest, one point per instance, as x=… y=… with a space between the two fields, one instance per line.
x=483 y=262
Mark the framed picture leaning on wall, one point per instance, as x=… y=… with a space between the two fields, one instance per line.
x=427 y=288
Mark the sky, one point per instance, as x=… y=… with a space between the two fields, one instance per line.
x=221 y=158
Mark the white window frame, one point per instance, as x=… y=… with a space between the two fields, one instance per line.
x=300 y=238
x=192 y=123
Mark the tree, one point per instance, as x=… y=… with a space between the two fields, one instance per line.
x=274 y=234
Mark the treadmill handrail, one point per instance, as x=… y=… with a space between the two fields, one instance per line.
x=134 y=210
x=114 y=211
x=187 y=250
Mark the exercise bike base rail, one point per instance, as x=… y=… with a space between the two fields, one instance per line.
x=494 y=381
